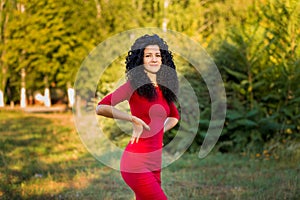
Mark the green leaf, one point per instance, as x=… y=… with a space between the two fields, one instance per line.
x=233 y=115
x=247 y=123
x=236 y=74
x=252 y=113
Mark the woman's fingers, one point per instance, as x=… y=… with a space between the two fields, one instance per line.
x=138 y=120
x=132 y=139
x=136 y=139
x=135 y=136
x=138 y=126
x=146 y=126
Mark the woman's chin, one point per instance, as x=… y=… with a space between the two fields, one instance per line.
x=152 y=70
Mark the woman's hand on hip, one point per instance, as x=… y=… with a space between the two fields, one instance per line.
x=138 y=127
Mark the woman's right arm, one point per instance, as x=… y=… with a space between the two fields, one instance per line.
x=112 y=112
x=106 y=108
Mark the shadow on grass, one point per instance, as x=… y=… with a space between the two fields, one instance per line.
x=43 y=159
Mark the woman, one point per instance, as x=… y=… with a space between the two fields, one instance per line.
x=151 y=90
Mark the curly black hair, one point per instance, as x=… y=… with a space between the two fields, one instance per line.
x=167 y=78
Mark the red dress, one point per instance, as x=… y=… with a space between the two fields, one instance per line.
x=141 y=162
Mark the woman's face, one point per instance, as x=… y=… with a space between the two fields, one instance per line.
x=152 y=59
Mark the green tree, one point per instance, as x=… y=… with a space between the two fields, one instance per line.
x=260 y=65
x=49 y=40
x=7 y=8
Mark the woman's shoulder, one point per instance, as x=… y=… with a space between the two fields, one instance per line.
x=125 y=87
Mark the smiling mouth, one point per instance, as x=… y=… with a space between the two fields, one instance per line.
x=154 y=65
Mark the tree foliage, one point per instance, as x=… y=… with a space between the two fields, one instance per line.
x=254 y=43
x=259 y=61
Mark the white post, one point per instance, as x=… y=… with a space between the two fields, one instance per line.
x=1 y=99
x=71 y=96
x=23 y=90
x=47 y=101
x=23 y=98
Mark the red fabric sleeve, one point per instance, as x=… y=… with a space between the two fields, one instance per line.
x=174 y=111
x=122 y=93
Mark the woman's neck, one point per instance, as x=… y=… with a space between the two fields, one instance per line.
x=152 y=78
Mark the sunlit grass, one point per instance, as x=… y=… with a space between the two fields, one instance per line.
x=42 y=157
x=229 y=176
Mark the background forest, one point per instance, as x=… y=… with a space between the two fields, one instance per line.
x=254 y=43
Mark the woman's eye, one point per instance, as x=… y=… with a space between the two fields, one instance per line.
x=149 y=56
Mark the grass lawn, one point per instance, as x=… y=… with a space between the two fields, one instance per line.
x=42 y=157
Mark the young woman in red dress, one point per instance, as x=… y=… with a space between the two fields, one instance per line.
x=151 y=90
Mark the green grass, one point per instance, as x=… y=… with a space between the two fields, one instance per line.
x=42 y=157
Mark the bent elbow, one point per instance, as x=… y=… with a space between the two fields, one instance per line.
x=99 y=110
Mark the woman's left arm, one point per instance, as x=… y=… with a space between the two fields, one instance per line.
x=170 y=123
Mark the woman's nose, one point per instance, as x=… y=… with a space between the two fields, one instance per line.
x=154 y=58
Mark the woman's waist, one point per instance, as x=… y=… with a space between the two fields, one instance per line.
x=144 y=145
x=155 y=133
x=141 y=162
